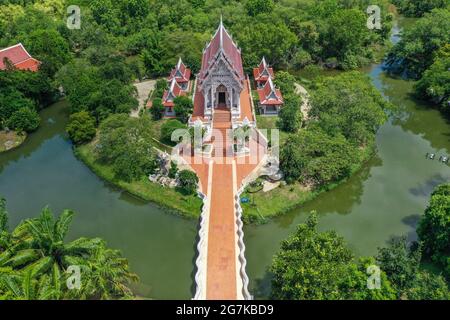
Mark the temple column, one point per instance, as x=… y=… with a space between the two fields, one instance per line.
x=232 y=94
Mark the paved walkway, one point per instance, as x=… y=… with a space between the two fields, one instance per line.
x=143 y=89
x=220 y=183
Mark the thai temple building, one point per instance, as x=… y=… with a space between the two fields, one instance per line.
x=169 y=96
x=19 y=58
x=270 y=98
x=262 y=74
x=221 y=85
x=222 y=90
x=181 y=74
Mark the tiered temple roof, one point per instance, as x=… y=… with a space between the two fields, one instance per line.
x=269 y=95
x=19 y=58
x=180 y=73
x=174 y=91
x=222 y=43
x=263 y=72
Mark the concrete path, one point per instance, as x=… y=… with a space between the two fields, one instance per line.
x=143 y=88
x=300 y=90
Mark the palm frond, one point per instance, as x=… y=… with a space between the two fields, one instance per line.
x=63 y=223
x=22 y=257
x=40 y=266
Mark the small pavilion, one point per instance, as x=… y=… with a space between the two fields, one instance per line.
x=270 y=98
x=181 y=74
x=262 y=74
x=169 y=96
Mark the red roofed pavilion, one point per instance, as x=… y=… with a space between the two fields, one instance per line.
x=181 y=74
x=169 y=96
x=18 y=57
x=262 y=73
x=270 y=98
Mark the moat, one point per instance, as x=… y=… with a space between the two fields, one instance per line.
x=384 y=199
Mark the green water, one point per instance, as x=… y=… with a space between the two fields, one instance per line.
x=159 y=246
x=384 y=199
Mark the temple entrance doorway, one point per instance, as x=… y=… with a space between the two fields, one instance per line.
x=221 y=96
x=222 y=100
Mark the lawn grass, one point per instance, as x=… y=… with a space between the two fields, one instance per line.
x=268 y=123
x=168 y=198
x=265 y=205
x=13 y=138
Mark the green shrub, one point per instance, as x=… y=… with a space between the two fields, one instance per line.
x=168 y=128
x=188 y=181
x=24 y=119
x=81 y=127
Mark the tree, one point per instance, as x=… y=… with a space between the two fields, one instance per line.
x=314 y=265
x=435 y=83
x=434 y=227
x=157 y=109
x=428 y=286
x=312 y=156
x=24 y=119
x=290 y=116
x=49 y=47
x=12 y=101
x=34 y=259
x=255 y=7
x=187 y=182
x=183 y=108
x=87 y=90
x=346 y=36
x=417 y=8
x=81 y=127
x=168 y=128
x=401 y=263
x=349 y=105
x=126 y=144
x=285 y=82
x=414 y=52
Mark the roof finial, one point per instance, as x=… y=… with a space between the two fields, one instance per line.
x=221 y=31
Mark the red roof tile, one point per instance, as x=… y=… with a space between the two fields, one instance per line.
x=269 y=95
x=170 y=94
x=19 y=57
x=263 y=72
x=222 y=42
x=181 y=73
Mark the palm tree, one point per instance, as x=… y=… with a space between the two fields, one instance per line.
x=107 y=275
x=22 y=286
x=36 y=249
x=38 y=244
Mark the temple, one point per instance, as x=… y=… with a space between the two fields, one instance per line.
x=181 y=74
x=221 y=84
x=270 y=98
x=17 y=57
x=262 y=74
x=169 y=96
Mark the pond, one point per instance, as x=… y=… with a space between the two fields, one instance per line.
x=384 y=199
